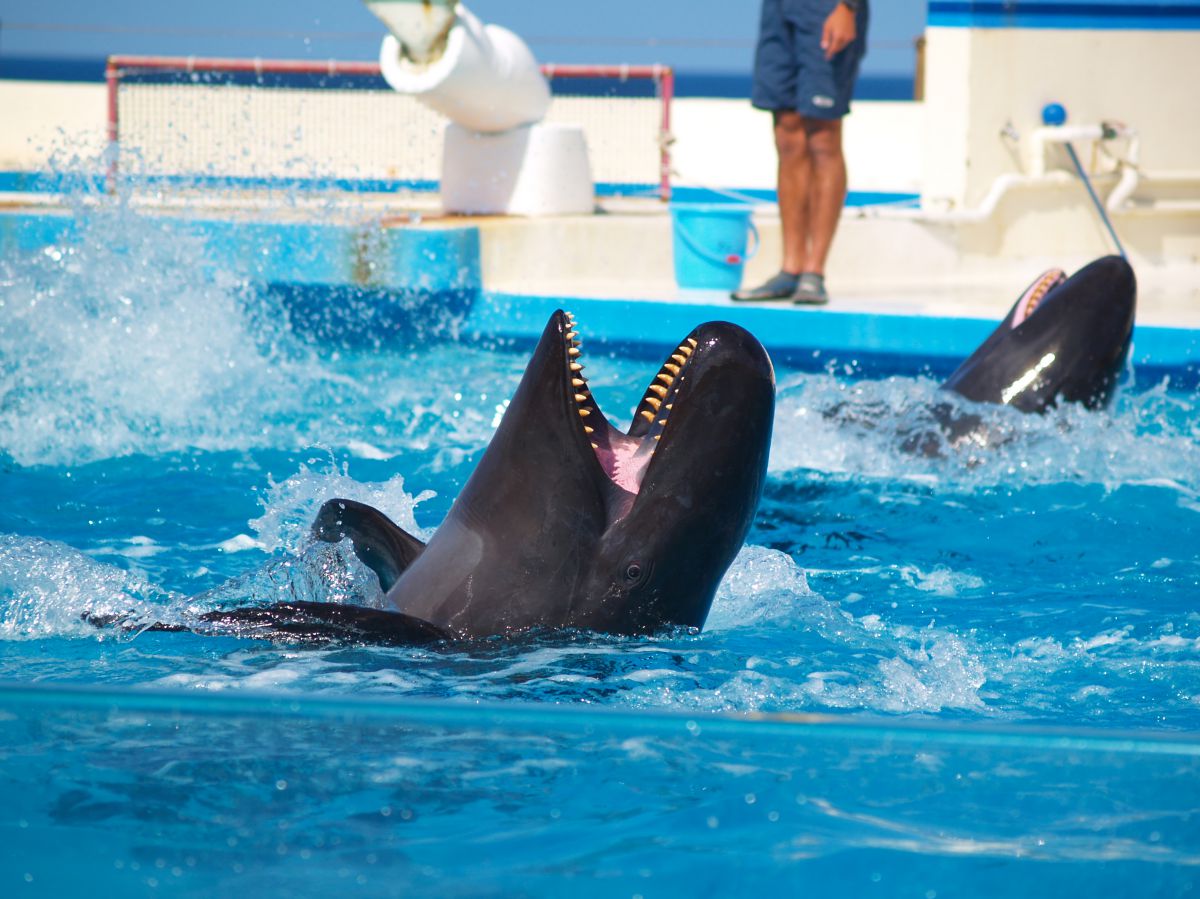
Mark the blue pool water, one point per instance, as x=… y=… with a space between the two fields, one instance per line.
x=970 y=673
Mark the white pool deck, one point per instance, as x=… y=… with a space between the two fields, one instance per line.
x=878 y=266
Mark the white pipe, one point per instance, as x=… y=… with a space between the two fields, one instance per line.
x=1118 y=199
x=420 y=27
x=1062 y=134
x=1126 y=185
x=1059 y=134
x=984 y=211
x=486 y=79
x=1129 y=176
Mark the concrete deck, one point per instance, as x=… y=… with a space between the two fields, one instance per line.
x=880 y=265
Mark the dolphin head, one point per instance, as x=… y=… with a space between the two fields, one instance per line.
x=1064 y=338
x=681 y=484
x=570 y=521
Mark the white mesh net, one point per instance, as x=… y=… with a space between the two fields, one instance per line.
x=264 y=130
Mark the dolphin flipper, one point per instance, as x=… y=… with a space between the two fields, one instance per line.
x=321 y=622
x=295 y=621
x=380 y=543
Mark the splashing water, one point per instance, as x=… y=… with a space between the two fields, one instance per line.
x=46 y=587
x=1047 y=575
x=877 y=429
x=119 y=342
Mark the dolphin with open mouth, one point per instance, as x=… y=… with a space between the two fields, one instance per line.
x=568 y=522
x=1064 y=339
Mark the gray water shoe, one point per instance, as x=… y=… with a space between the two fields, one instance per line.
x=779 y=287
x=810 y=290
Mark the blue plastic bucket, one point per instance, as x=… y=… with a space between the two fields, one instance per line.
x=710 y=244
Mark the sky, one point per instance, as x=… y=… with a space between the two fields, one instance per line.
x=696 y=35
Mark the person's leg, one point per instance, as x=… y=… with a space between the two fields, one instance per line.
x=826 y=190
x=794 y=184
x=774 y=89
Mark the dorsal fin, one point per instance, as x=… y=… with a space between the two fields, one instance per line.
x=380 y=543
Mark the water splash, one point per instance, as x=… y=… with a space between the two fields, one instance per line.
x=116 y=341
x=890 y=429
x=291 y=505
x=46 y=588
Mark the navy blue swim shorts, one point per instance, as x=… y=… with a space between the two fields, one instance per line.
x=790 y=68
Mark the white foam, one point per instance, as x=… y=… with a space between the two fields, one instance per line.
x=869 y=428
x=240 y=543
x=46 y=587
x=290 y=505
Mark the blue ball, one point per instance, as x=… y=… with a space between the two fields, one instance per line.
x=1054 y=114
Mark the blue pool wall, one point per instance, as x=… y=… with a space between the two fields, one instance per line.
x=69 y=183
x=343 y=284
x=373 y=284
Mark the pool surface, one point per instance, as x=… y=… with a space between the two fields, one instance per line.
x=976 y=672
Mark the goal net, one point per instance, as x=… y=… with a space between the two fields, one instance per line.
x=285 y=123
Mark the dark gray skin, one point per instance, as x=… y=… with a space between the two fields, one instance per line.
x=557 y=528
x=1064 y=339
x=1072 y=346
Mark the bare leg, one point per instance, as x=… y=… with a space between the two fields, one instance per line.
x=795 y=177
x=827 y=190
x=812 y=191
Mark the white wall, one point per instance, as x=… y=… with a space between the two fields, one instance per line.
x=728 y=143
x=980 y=80
x=43 y=117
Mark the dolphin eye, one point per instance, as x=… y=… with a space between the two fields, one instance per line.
x=633 y=572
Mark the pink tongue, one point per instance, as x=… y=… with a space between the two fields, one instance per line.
x=1036 y=291
x=625 y=461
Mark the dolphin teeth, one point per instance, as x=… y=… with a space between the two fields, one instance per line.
x=575 y=366
x=584 y=412
x=588 y=430
x=573 y=351
x=658 y=436
x=571 y=335
x=673 y=369
x=578 y=382
x=686 y=350
x=670 y=406
x=662 y=421
x=659 y=389
x=654 y=402
x=678 y=358
x=665 y=378
x=647 y=414
x=595 y=446
x=581 y=397
x=695 y=343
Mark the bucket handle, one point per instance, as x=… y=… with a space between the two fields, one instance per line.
x=716 y=259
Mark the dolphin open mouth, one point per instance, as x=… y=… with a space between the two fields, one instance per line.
x=1029 y=301
x=625 y=456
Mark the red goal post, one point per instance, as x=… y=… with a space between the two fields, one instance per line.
x=261 y=123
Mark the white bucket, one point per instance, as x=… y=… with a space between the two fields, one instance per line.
x=532 y=170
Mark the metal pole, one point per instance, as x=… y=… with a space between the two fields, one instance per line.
x=1087 y=182
x=112 y=78
x=668 y=93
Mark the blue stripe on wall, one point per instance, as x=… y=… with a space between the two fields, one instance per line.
x=1156 y=16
